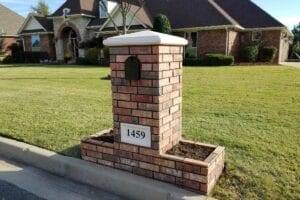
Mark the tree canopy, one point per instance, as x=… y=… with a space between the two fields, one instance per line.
x=296 y=32
x=41 y=8
x=162 y=24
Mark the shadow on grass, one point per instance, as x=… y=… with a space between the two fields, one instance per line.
x=51 y=66
x=73 y=151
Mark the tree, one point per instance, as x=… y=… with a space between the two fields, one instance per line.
x=296 y=32
x=41 y=8
x=162 y=24
x=126 y=6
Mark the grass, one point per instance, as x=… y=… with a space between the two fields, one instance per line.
x=253 y=111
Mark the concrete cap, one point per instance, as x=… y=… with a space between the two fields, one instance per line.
x=145 y=38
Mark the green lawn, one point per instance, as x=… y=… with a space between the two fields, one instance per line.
x=253 y=111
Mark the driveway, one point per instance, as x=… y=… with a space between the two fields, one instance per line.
x=291 y=64
x=22 y=182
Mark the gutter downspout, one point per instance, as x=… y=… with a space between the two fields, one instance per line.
x=227 y=41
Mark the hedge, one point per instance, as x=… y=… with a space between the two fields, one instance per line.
x=267 y=54
x=218 y=60
x=250 y=53
x=210 y=60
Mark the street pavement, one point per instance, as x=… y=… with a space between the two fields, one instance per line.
x=23 y=182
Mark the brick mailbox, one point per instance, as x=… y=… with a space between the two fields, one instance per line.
x=146 y=77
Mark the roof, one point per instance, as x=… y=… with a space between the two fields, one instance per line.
x=46 y=24
x=87 y=7
x=8 y=16
x=187 y=13
x=145 y=38
x=240 y=10
x=203 y=13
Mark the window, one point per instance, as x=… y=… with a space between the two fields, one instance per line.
x=35 y=43
x=103 y=12
x=256 y=36
x=194 y=39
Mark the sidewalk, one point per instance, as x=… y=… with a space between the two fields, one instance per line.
x=25 y=182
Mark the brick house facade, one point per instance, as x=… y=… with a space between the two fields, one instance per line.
x=210 y=26
x=8 y=30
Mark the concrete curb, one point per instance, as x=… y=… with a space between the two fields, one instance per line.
x=118 y=182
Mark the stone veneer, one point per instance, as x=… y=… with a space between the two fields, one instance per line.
x=154 y=101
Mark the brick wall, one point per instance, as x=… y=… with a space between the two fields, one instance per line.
x=47 y=44
x=153 y=101
x=7 y=42
x=211 y=41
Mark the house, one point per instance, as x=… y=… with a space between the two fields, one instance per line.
x=10 y=22
x=211 y=26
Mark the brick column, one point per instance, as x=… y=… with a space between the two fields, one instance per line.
x=155 y=99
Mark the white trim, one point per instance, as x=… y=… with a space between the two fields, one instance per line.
x=70 y=16
x=207 y=28
x=145 y=38
x=35 y=33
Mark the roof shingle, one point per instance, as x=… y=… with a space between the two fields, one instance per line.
x=10 y=22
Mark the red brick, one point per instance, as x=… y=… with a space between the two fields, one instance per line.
x=129 y=162
x=149 y=166
x=149 y=122
x=165 y=177
x=123 y=167
x=150 y=152
x=127 y=89
x=148 y=58
x=141 y=113
x=141 y=98
x=167 y=74
x=118 y=50
x=127 y=104
x=165 y=163
x=141 y=50
x=171 y=171
x=127 y=119
x=127 y=147
x=105 y=162
x=122 y=111
x=188 y=168
x=88 y=146
x=146 y=67
x=143 y=172
x=124 y=154
x=121 y=58
x=195 y=177
x=177 y=57
x=148 y=106
x=109 y=157
x=120 y=96
x=191 y=184
x=143 y=158
x=167 y=58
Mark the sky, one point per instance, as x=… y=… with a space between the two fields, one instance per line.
x=287 y=13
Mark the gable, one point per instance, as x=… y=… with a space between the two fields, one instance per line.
x=32 y=24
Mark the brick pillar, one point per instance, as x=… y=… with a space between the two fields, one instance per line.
x=155 y=100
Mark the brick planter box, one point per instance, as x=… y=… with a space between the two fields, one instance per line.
x=194 y=175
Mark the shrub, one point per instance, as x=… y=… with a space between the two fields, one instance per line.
x=193 y=62
x=95 y=42
x=93 y=56
x=7 y=60
x=218 y=60
x=35 y=57
x=267 y=54
x=250 y=53
x=162 y=24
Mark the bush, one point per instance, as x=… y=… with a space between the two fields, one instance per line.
x=7 y=60
x=162 y=24
x=267 y=54
x=193 y=62
x=218 y=60
x=250 y=53
x=35 y=57
x=93 y=56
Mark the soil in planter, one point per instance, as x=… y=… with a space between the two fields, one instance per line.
x=192 y=151
x=106 y=137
